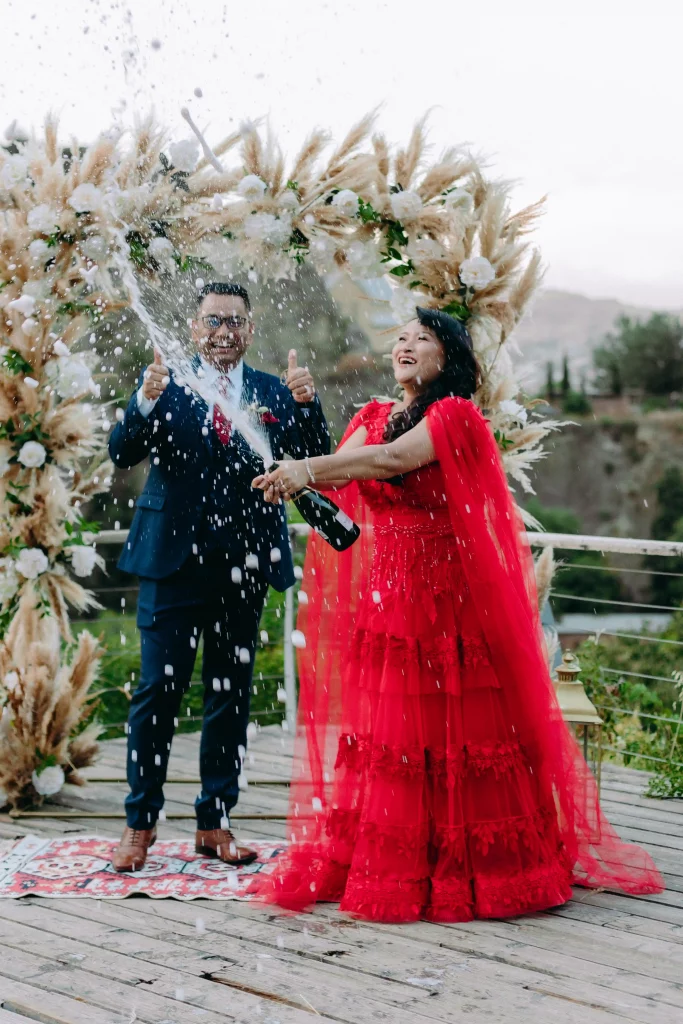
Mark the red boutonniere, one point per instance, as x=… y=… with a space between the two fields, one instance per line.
x=264 y=414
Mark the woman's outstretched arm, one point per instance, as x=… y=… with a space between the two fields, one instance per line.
x=371 y=462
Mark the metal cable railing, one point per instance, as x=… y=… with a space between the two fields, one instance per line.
x=561 y=542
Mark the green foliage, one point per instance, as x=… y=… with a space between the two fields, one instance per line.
x=15 y=363
x=576 y=404
x=667 y=783
x=571 y=578
x=668 y=525
x=645 y=356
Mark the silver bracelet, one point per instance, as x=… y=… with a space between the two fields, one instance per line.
x=307 y=464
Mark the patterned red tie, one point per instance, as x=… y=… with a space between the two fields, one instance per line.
x=221 y=425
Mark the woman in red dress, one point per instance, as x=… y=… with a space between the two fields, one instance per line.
x=434 y=776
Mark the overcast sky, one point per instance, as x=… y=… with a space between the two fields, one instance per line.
x=584 y=106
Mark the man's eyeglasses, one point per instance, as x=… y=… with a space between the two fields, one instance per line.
x=234 y=323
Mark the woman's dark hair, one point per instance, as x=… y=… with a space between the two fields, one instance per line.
x=460 y=376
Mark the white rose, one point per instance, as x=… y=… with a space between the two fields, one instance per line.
x=288 y=201
x=14 y=171
x=346 y=202
x=184 y=154
x=425 y=249
x=30 y=326
x=32 y=454
x=94 y=247
x=25 y=305
x=460 y=199
x=405 y=205
x=42 y=219
x=363 y=260
x=265 y=227
x=73 y=378
x=85 y=198
x=476 y=272
x=15 y=132
x=38 y=249
x=321 y=249
x=403 y=303
x=49 y=781
x=83 y=559
x=31 y=563
x=162 y=251
x=251 y=187
x=515 y=411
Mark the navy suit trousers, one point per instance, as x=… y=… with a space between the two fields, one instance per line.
x=202 y=597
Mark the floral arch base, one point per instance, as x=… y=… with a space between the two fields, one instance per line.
x=81 y=225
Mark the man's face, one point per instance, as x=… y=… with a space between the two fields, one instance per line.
x=222 y=330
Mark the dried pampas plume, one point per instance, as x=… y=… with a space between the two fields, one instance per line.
x=544 y=568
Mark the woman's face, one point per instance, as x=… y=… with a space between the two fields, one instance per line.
x=418 y=357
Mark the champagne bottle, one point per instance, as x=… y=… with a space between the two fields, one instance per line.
x=326 y=518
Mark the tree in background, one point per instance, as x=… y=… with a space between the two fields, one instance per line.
x=668 y=525
x=566 y=385
x=577 y=575
x=549 y=381
x=647 y=356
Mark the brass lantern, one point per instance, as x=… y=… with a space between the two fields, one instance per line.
x=576 y=707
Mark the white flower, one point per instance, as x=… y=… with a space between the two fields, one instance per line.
x=11 y=681
x=346 y=202
x=32 y=454
x=14 y=171
x=30 y=326
x=322 y=249
x=31 y=563
x=425 y=249
x=405 y=205
x=15 y=132
x=42 y=219
x=25 y=305
x=89 y=276
x=363 y=259
x=49 y=781
x=251 y=187
x=94 y=247
x=8 y=580
x=476 y=272
x=515 y=411
x=403 y=303
x=85 y=198
x=73 y=378
x=83 y=559
x=288 y=200
x=184 y=154
x=265 y=227
x=162 y=251
x=461 y=199
x=38 y=249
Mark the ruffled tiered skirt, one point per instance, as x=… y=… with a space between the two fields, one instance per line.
x=438 y=811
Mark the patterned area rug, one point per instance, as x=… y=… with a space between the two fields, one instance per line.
x=78 y=866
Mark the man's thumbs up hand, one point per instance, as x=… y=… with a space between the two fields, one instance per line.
x=156 y=377
x=299 y=380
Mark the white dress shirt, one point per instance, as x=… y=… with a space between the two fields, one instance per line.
x=214 y=377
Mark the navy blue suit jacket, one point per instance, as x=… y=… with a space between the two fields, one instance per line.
x=172 y=509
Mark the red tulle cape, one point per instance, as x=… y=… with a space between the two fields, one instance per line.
x=576 y=845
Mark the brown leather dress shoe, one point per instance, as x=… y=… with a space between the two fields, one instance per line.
x=221 y=843
x=131 y=853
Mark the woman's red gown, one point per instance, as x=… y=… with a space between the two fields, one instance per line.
x=434 y=777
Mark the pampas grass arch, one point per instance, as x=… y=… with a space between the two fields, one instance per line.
x=440 y=233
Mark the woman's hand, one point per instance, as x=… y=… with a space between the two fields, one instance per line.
x=283 y=482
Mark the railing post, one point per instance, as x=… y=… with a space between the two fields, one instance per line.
x=289 y=660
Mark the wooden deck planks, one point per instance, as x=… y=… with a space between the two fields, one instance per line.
x=601 y=958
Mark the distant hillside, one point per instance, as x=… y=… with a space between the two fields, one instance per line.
x=565 y=323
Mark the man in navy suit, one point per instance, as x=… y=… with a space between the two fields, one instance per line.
x=205 y=546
